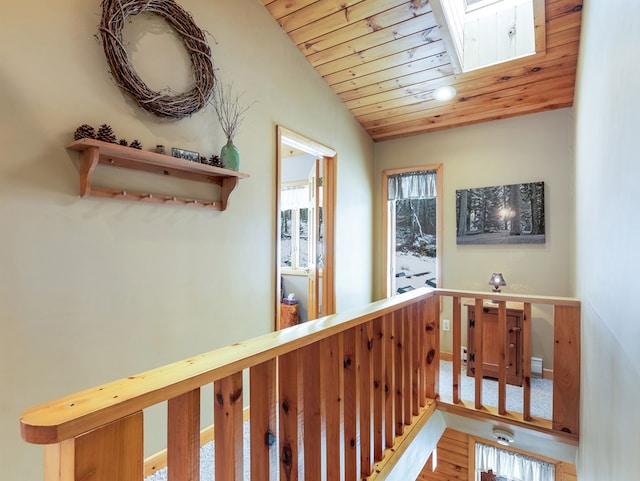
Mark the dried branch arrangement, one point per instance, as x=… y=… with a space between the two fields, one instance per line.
x=114 y=16
x=230 y=108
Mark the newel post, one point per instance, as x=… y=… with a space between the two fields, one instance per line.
x=113 y=451
x=566 y=369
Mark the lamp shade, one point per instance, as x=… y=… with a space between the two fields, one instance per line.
x=497 y=280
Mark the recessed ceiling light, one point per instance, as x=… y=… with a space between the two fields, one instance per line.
x=446 y=92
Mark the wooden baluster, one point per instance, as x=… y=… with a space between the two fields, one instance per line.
x=264 y=446
x=398 y=333
x=351 y=406
x=432 y=341
x=332 y=378
x=477 y=362
x=289 y=383
x=566 y=369
x=526 y=356
x=183 y=437
x=503 y=358
x=379 y=415
x=113 y=451
x=366 y=398
x=407 y=362
x=389 y=380
x=312 y=395
x=423 y=316
x=416 y=355
x=228 y=428
x=457 y=348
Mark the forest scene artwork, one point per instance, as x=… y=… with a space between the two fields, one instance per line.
x=504 y=214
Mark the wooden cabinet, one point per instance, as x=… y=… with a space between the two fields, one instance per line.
x=491 y=338
x=94 y=152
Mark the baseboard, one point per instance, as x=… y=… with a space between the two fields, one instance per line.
x=447 y=356
x=158 y=461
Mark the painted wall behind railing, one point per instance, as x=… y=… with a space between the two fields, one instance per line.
x=91 y=289
x=523 y=149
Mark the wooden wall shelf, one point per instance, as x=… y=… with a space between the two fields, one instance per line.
x=94 y=152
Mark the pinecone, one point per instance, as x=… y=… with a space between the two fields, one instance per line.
x=123 y=142
x=85 y=131
x=215 y=161
x=105 y=133
x=203 y=160
x=136 y=144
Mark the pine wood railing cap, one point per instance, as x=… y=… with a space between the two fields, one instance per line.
x=531 y=299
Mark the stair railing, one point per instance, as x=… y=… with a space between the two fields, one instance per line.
x=328 y=399
x=566 y=358
x=341 y=389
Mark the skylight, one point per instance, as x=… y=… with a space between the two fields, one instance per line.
x=489 y=32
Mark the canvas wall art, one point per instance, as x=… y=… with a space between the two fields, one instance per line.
x=503 y=214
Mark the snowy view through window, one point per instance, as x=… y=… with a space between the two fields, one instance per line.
x=415 y=244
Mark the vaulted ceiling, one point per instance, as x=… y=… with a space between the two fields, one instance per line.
x=384 y=58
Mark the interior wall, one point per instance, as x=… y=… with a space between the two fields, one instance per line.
x=92 y=290
x=523 y=149
x=607 y=220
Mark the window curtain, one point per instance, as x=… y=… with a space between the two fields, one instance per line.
x=412 y=185
x=292 y=198
x=510 y=466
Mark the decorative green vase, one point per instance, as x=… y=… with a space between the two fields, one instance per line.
x=230 y=156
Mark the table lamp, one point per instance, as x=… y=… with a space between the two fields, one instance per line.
x=497 y=281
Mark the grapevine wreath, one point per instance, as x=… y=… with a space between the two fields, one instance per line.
x=114 y=16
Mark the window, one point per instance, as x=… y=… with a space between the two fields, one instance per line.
x=497 y=464
x=294 y=221
x=413 y=219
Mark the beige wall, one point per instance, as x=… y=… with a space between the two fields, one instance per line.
x=91 y=289
x=524 y=149
x=607 y=230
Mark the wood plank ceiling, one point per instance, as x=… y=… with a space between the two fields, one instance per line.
x=384 y=58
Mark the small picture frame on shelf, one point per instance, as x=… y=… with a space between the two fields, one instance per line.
x=185 y=154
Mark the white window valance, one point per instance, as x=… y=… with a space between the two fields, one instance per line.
x=412 y=185
x=296 y=197
x=512 y=466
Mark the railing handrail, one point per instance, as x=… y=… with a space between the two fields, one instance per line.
x=69 y=416
x=532 y=299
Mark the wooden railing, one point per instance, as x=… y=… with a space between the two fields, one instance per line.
x=564 y=422
x=328 y=399
x=341 y=388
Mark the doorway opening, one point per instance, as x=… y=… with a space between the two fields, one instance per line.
x=305 y=229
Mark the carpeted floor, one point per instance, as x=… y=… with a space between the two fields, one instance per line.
x=207 y=465
x=541 y=406
x=541 y=392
